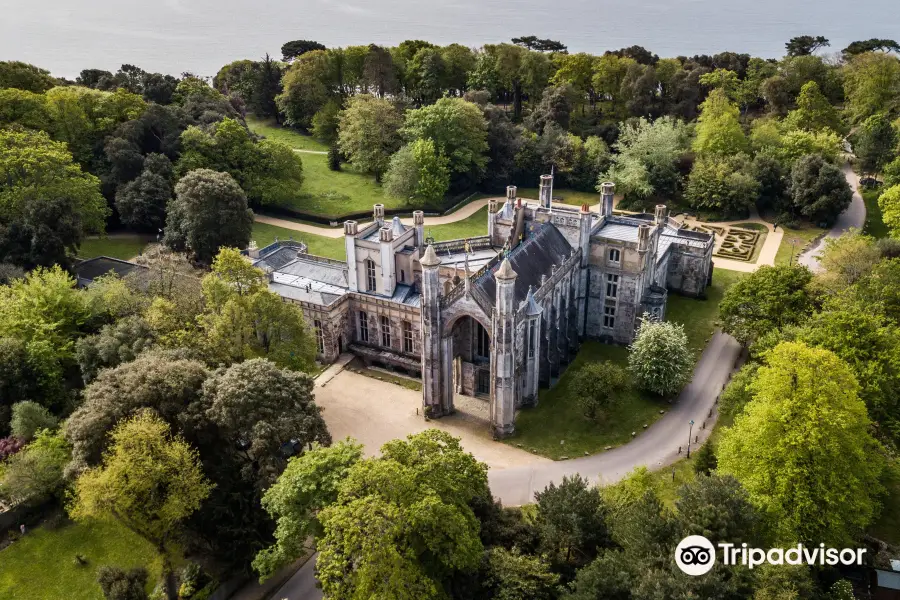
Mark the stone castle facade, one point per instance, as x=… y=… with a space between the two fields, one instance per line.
x=496 y=316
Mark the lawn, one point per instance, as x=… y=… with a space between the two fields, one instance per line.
x=291 y=137
x=264 y=234
x=568 y=196
x=557 y=417
x=804 y=235
x=874 y=225
x=42 y=566
x=700 y=317
x=472 y=226
x=120 y=246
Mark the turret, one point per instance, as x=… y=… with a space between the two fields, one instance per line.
x=504 y=329
x=643 y=238
x=378 y=213
x=660 y=215
x=351 y=228
x=419 y=224
x=433 y=388
x=607 y=191
x=386 y=241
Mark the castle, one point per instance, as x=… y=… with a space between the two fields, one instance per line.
x=496 y=316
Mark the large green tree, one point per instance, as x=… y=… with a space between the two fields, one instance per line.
x=889 y=202
x=310 y=483
x=47 y=204
x=369 y=133
x=418 y=174
x=819 y=190
x=875 y=144
x=723 y=183
x=802 y=448
x=718 y=130
x=23 y=76
x=459 y=132
x=209 y=212
x=871 y=84
x=767 y=299
x=150 y=482
x=402 y=524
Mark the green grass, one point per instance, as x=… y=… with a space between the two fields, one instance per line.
x=568 y=196
x=700 y=317
x=124 y=247
x=41 y=566
x=874 y=224
x=753 y=226
x=264 y=234
x=358 y=366
x=804 y=235
x=557 y=416
x=285 y=135
x=471 y=226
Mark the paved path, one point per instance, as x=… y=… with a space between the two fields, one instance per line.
x=310 y=151
x=853 y=217
x=302 y=586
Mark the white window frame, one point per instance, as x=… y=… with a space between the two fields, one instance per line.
x=614 y=256
x=371 y=280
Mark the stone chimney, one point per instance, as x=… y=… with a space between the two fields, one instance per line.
x=643 y=238
x=351 y=228
x=546 y=190
x=660 y=214
x=419 y=224
x=379 y=214
x=511 y=193
x=386 y=234
x=607 y=191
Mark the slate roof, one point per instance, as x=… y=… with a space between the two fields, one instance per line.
x=277 y=258
x=543 y=247
x=88 y=270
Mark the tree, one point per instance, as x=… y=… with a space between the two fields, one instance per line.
x=418 y=173
x=871 y=84
x=310 y=483
x=819 y=190
x=28 y=418
x=660 y=359
x=35 y=474
x=596 y=386
x=325 y=123
x=871 y=45
x=541 y=45
x=571 y=520
x=644 y=164
x=504 y=140
x=719 y=509
x=23 y=76
x=797 y=143
x=876 y=143
x=209 y=211
x=555 y=107
x=459 y=132
x=150 y=482
x=725 y=184
x=718 y=130
x=802 y=449
x=516 y=576
x=119 y=584
x=722 y=79
x=368 y=133
x=772 y=176
x=891 y=173
x=769 y=298
x=803 y=45
x=19 y=107
x=243 y=319
x=308 y=85
x=814 y=112
x=269 y=172
x=116 y=343
x=705 y=460
x=266 y=408
x=889 y=202
x=291 y=50
x=845 y=260
x=402 y=523
x=49 y=204
x=142 y=202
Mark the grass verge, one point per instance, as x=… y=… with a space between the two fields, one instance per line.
x=285 y=135
x=874 y=224
x=120 y=246
x=701 y=317
x=42 y=565
x=800 y=238
x=557 y=417
x=471 y=226
x=264 y=234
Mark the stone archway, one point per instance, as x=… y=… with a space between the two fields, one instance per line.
x=468 y=372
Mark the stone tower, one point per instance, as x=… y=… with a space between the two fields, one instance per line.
x=432 y=384
x=607 y=191
x=503 y=357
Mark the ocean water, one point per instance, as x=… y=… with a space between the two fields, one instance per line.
x=173 y=36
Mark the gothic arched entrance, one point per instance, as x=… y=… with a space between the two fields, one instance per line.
x=467 y=352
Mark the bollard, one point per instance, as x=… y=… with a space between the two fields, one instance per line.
x=696 y=438
x=710 y=414
x=679 y=449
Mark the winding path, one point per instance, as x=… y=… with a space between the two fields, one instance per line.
x=853 y=217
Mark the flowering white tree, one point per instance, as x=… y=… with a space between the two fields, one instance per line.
x=660 y=360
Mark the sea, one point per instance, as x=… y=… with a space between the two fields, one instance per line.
x=199 y=36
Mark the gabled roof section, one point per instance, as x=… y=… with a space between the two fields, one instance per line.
x=543 y=247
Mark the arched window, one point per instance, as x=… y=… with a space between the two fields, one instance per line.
x=385 y=332
x=370 y=275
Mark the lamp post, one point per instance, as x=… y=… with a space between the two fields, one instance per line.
x=793 y=245
x=690 y=430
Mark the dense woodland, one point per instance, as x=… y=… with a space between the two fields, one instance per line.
x=193 y=374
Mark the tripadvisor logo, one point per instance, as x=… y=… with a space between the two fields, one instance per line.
x=696 y=555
